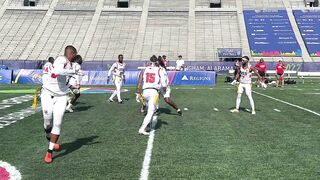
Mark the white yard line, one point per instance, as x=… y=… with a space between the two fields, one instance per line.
x=6 y=103
x=147 y=157
x=17 y=116
x=277 y=110
x=290 y=104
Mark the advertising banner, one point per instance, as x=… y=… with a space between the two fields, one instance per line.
x=270 y=34
x=195 y=78
x=5 y=76
x=309 y=25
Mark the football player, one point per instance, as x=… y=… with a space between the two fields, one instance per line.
x=47 y=70
x=74 y=84
x=245 y=79
x=149 y=83
x=117 y=71
x=54 y=99
x=166 y=92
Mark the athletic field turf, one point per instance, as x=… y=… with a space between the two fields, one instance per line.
x=100 y=139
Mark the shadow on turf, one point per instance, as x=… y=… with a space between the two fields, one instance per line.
x=77 y=144
x=242 y=109
x=160 y=123
x=83 y=108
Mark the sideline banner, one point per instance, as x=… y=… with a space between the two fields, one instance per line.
x=5 y=76
x=184 y=78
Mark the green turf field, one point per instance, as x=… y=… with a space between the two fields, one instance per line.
x=100 y=139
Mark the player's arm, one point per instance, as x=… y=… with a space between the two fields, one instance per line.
x=163 y=79
x=110 y=71
x=255 y=71
x=59 y=68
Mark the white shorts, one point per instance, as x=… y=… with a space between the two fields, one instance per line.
x=53 y=108
x=151 y=97
x=244 y=87
x=165 y=94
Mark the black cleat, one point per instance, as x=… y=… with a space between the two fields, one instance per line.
x=179 y=112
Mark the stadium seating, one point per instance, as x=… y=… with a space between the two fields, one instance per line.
x=215 y=30
x=224 y=4
x=253 y=4
x=64 y=28
x=101 y=30
x=17 y=29
x=166 y=33
x=133 y=3
x=115 y=33
x=38 y=2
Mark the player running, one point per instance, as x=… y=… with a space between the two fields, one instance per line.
x=149 y=83
x=245 y=79
x=117 y=70
x=54 y=99
x=280 y=67
x=166 y=92
x=74 y=84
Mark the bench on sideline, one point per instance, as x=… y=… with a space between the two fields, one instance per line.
x=303 y=75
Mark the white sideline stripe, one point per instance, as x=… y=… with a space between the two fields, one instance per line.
x=284 y=102
x=313 y=93
x=277 y=110
x=147 y=157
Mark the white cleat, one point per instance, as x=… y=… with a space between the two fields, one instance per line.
x=143 y=132
x=234 y=110
x=253 y=112
x=110 y=100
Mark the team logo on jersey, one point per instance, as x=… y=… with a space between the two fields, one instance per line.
x=185 y=78
x=8 y=171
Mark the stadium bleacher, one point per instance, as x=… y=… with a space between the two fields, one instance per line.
x=215 y=30
x=17 y=29
x=157 y=27
x=115 y=33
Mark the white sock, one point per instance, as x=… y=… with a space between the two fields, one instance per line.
x=113 y=94
x=238 y=101
x=51 y=146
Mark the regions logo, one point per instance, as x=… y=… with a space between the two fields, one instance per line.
x=195 y=78
x=8 y=171
x=185 y=78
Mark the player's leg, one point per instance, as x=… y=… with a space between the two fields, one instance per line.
x=114 y=92
x=168 y=100
x=278 y=80
x=118 y=88
x=238 y=101
x=70 y=98
x=282 y=80
x=47 y=111
x=58 y=113
x=151 y=97
x=249 y=94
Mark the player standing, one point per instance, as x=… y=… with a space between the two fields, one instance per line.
x=149 y=83
x=245 y=79
x=117 y=70
x=262 y=69
x=280 y=67
x=166 y=92
x=54 y=99
x=74 y=84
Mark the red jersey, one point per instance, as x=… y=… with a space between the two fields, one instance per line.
x=261 y=66
x=280 y=67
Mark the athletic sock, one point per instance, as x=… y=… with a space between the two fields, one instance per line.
x=51 y=146
x=238 y=101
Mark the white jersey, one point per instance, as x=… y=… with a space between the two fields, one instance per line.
x=165 y=75
x=117 y=69
x=246 y=75
x=74 y=80
x=179 y=64
x=153 y=78
x=57 y=81
x=46 y=73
